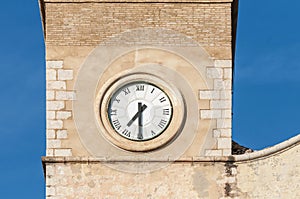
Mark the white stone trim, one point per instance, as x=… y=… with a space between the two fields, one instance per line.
x=56 y=95
x=54 y=64
x=214 y=73
x=223 y=63
x=55 y=105
x=62 y=152
x=65 y=74
x=52 y=143
x=65 y=95
x=56 y=85
x=62 y=134
x=219 y=97
x=210 y=114
x=209 y=94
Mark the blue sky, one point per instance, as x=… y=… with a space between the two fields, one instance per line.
x=266 y=87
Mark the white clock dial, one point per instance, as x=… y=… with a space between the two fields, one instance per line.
x=139 y=111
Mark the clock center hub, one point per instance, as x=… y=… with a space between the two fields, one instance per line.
x=147 y=113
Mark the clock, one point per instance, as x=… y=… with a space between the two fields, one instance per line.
x=140 y=112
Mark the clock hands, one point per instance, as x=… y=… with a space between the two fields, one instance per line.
x=139 y=115
x=136 y=115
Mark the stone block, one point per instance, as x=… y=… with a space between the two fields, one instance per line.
x=55 y=105
x=65 y=74
x=226 y=152
x=56 y=85
x=223 y=63
x=50 y=115
x=220 y=104
x=216 y=133
x=50 y=134
x=220 y=84
x=65 y=95
x=54 y=124
x=227 y=73
x=225 y=132
x=51 y=181
x=210 y=114
x=209 y=94
x=214 y=72
x=50 y=171
x=224 y=143
x=51 y=144
x=224 y=123
x=54 y=64
x=49 y=152
x=62 y=152
x=50 y=74
x=62 y=134
x=50 y=95
x=227 y=114
x=226 y=94
x=50 y=191
x=63 y=115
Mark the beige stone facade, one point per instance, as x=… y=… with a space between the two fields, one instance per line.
x=74 y=29
x=188 y=44
x=271 y=173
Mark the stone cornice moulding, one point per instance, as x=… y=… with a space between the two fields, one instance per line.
x=261 y=154
x=137 y=1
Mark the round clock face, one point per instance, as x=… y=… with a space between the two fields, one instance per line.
x=139 y=111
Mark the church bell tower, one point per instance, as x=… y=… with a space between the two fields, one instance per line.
x=139 y=97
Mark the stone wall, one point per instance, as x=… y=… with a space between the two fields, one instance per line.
x=88 y=24
x=191 y=37
x=198 y=36
x=262 y=174
x=74 y=29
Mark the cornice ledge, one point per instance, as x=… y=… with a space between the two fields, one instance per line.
x=120 y=159
x=137 y=1
x=265 y=153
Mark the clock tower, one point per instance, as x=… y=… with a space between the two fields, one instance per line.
x=139 y=97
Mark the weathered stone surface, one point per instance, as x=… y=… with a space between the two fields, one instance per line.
x=272 y=176
x=190 y=41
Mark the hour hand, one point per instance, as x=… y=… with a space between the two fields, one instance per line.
x=136 y=115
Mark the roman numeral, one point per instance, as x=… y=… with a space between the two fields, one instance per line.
x=152 y=90
x=166 y=111
x=113 y=112
x=126 y=91
x=126 y=132
x=116 y=124
x=162 y=123
x=117 y=100
x=153 y=133
x=163 y=99
x=140 y=87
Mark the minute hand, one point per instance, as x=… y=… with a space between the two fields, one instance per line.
x=136 y=115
